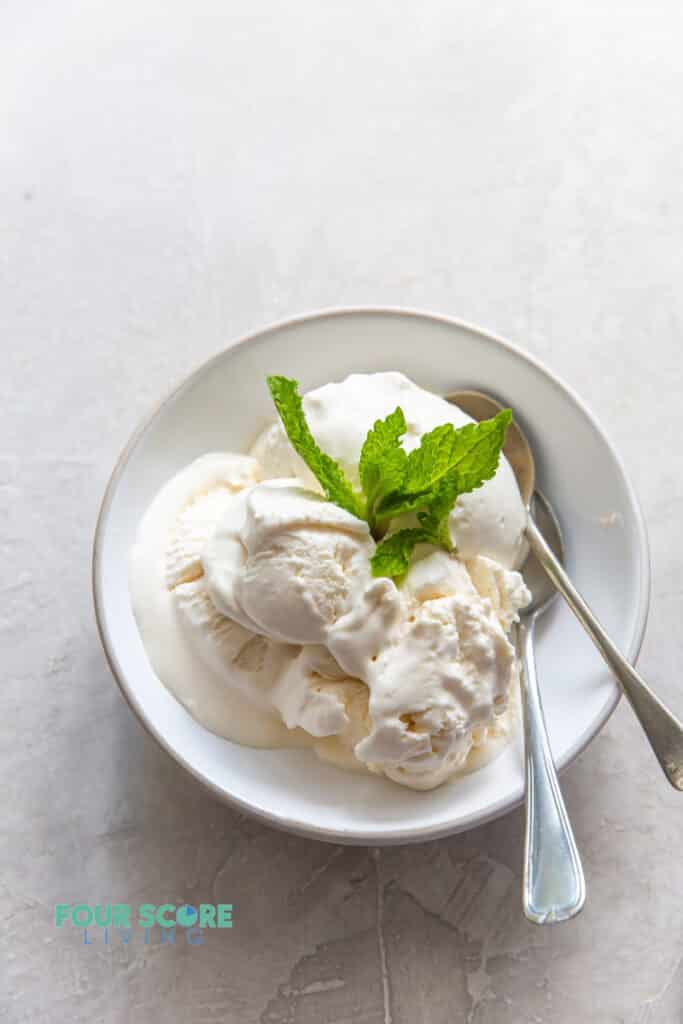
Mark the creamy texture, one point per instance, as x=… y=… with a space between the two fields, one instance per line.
x=257 y=606
x=287 y=562
x=211 y=664
x=438 y=666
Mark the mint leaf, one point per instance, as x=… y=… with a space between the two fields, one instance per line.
x=392 y=555
x=328 y=473
x=428 y=463
x=464 y=457
x=473 y=449
x=477 y=452
x=383 y=461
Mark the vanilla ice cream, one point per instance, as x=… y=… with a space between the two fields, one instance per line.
x=449 y=638
x=220 y=671
x=258 y=608
x=287 y=562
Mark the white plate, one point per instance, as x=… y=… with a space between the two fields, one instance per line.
x=224 y=404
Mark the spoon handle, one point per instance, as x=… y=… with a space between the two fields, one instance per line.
x=554 y=888
x=661 y=727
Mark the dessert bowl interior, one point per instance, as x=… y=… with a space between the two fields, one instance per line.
x=224 y=405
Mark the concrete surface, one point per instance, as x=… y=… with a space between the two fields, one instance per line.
x=174 y=174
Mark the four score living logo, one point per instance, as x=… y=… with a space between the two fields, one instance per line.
x=111 y=924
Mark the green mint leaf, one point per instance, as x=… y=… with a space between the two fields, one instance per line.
x=383 y=461
x=448 y=463
x=328 y=473
x=473 y=449
x=428 y=463
x=477 y=451
x=392 y=555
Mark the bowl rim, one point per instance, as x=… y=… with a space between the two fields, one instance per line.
x=282 y=822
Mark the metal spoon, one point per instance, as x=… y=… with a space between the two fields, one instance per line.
x=661 y=727
x=553 y=888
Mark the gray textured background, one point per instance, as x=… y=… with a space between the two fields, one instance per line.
x=175 y=174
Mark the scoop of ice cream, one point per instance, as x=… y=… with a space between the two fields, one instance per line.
x=207 y=491
x=220 y=671
x=437 y=664
x=489 y=521
x=287 y=563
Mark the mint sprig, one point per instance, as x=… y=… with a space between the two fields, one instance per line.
x=449 y=462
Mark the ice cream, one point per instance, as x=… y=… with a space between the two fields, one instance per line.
x=287 y=563
x=258 y=608
x=221 y=672
x=446 y=673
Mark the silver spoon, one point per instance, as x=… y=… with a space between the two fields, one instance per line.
x=553 y=888
x=661 y=727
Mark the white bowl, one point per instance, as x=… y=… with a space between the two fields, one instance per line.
x=224 y=404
